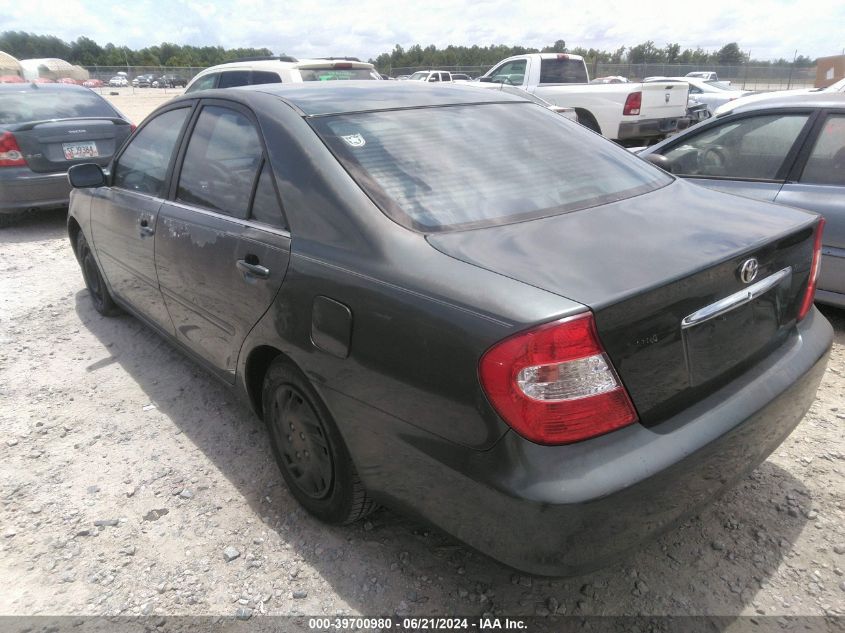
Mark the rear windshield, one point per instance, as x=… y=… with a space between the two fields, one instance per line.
x=38 y=105
x=332 y=74
x=563 y=71
x=457 y=167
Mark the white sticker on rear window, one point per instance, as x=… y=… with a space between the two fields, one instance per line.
x=354 y=140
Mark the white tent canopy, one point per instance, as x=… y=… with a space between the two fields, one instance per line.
x=9 y=65
x=51 y=68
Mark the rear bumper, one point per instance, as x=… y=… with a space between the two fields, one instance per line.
x=564 y=510
x=22 y=189
x=647 y=128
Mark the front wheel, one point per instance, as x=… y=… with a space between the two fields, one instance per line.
x=100 y=295
x=309 y=450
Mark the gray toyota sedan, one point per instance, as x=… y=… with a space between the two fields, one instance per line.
x=459 y=304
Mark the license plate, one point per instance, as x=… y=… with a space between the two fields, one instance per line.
x=80 y=150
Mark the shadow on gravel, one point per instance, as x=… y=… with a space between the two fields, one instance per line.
x=35 y=226
x=712 y=564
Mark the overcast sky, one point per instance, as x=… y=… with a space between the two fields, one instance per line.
x=366 y=28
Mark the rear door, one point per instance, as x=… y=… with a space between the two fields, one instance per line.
x=817 y=183
x=222 y=247
x=748 y=155
x=124 y=215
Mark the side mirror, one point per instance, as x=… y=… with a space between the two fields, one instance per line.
x=486 y=80
x=86 y=175
x=661 y=161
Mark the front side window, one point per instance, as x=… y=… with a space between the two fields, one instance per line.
x=753 y=147
x=204 y=83
x=221 y=162
x=478 y=165
x=510 y=72
x=143 y=164
x=826 y=165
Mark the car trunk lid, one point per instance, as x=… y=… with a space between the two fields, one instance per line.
x=646 y=264
x=55 y=145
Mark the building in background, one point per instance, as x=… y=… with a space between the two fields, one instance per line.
x=829 y=70
x=51 y=68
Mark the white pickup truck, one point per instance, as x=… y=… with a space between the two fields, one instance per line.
x=630 y=113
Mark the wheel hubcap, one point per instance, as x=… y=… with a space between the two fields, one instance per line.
x=302 y=442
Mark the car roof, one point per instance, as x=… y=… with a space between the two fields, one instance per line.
x=33 y=86
x=812 y=100
x=335 y=97
x=277 y=64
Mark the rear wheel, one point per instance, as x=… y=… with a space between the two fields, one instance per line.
x=307 y=445
x=100 y=296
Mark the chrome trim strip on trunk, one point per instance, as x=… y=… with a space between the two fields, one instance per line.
x=735 y=300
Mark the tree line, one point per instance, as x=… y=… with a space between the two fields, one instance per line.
x=86 y=52
x=646 y=53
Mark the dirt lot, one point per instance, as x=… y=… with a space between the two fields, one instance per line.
x=132 y=483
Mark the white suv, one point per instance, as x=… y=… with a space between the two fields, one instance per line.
x=431 y=75
x=275 y=70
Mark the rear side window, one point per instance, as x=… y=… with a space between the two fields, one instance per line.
x=265 y=204
x=465 y=166
x=233 y=78
x=221 y=162
x=143 y=165
x=563 y=71
x=41 y=104
x=826 y=165
x=264 y=77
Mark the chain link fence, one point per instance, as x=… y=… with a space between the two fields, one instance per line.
x=744 y=77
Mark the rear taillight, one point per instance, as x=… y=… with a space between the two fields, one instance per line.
x=633 y=103
x=10 y=153
x=554 y=384
x=807 y=301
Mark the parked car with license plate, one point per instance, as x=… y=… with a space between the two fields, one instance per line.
x=789 y=150
x=551 y=356
x=44 y=129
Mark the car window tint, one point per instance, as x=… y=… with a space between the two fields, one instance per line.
x=826 y=165
x=234 y=78
x=753 y=147
x=143 y=164
x=264 y=77
x=204 y=83
x=435 y=169
x=221 y=162
x=42 y=104
x=265 y=204
x=562 y=71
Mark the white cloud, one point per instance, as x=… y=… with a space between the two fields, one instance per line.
x=369 y=27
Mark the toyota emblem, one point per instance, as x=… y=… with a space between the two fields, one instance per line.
x=748 y=270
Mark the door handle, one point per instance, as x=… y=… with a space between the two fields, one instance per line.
x=146 y=230
x=256 y=270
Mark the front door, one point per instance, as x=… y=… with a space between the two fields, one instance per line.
x=222 y=246
x=124 y=216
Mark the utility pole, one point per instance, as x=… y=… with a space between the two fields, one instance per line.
x=791 y=68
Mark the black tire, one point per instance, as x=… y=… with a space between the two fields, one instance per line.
x=588 y=120
x=100 y=296
x=309 y=449
x=8 y=219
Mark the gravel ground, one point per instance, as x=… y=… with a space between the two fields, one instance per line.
x=132 y=483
